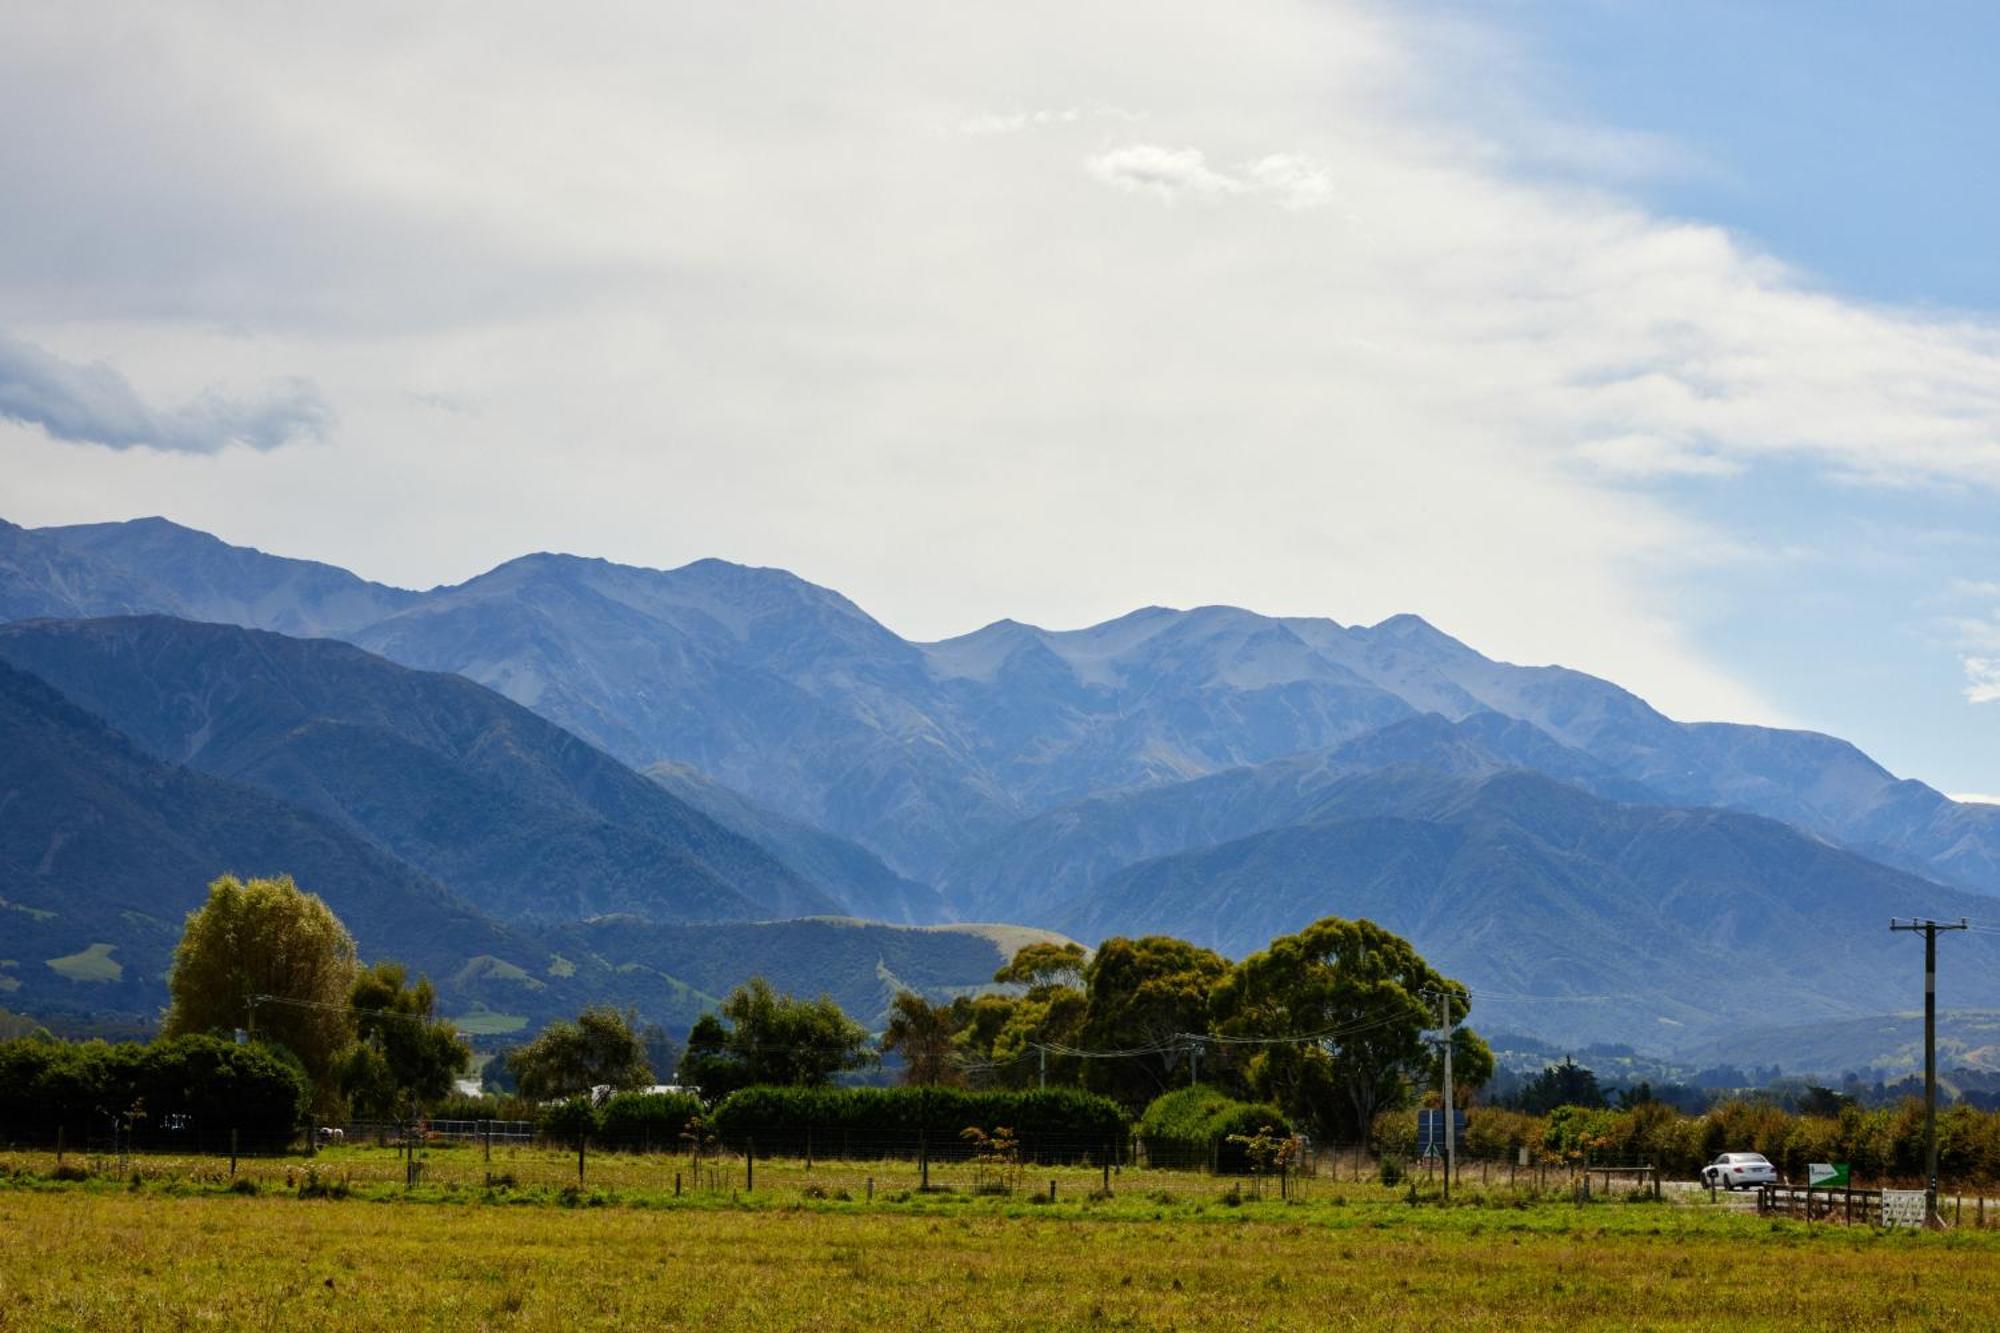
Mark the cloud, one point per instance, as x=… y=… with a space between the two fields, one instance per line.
x=1293 y=179
x=1169 y=173
x=1648 y=457
x=94 y=404
x=1975 y=798
x=1982 y=679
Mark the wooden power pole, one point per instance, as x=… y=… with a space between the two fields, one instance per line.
x=1930 y=930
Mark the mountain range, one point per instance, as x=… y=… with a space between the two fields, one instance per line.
x=1210 y=772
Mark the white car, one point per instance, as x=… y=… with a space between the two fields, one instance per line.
x=1739 y=1170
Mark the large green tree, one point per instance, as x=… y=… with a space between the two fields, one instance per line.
x=1146 y=995
x=598 y=1050
x=1003 y=1038
x=763 y=1036
x=267 y=956
x=1334 y=1017
x=403 y=1059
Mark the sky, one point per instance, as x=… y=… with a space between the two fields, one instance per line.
x=1661 y=340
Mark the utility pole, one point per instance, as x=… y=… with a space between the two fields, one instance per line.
x=1930 y=931
x=1450 y=1136
x=1043 y=1051
x=1194 y=1062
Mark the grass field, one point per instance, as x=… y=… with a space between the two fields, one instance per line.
x=179 y=1250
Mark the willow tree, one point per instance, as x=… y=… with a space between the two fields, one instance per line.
x=268 y=957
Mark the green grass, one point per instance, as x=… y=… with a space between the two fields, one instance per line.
x=488 y=1023
x=560 y=966
x=93 y=964
x=103 y=1254
x=486 y=967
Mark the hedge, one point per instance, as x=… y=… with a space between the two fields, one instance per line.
x=1192 y=1127
x=189 y=1092
x=1054 y=1124
x=647 y=1120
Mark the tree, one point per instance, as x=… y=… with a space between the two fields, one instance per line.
x=598 y=1050
x=772 y=1038
x=1044 y=966
x=1340 y=1008
x=1566 y=1084
x=708 y=1065
x=1146 y=995
x=921 y=1032
x=268 y=942
x=403 y=1059
x=1001 y=1034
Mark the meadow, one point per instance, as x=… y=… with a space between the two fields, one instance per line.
x=187 y=1244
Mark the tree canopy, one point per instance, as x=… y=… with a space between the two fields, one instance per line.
x=267 y=941
x=763 y=1036
x=1044 y=966
x=598 y=1050
x=1145 y=995
x=403 y=1059
x=1342 y=1006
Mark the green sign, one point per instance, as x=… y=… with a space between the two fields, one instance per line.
x=1826 y=1175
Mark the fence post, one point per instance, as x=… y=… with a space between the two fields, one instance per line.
x=487 y=1126
x=1052 y=1190
x=1107 y=1172
x=749 y=1165
x=923 y=1162
x=312 y=1136
x=581 y=1140
x=809 y=1148
x=871 y=1189
x=59 y=1145
x=232 y=1153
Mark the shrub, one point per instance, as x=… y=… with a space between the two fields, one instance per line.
x=194 y=1090
x=571 y=1120
x=636 y=1120
x=1194 y=1127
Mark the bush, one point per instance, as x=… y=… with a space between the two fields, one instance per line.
x=1193 y=1127
x=571 y=1120
x=1053 y=1125
x=642 y=1120
x=192 y=1090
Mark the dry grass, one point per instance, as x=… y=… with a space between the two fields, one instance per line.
x=100 y=1255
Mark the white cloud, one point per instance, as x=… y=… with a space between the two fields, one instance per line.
x=1295 y=179
x=1982 y=679
x=1975 y=798
x=1649 y=456
x=1166 y=172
